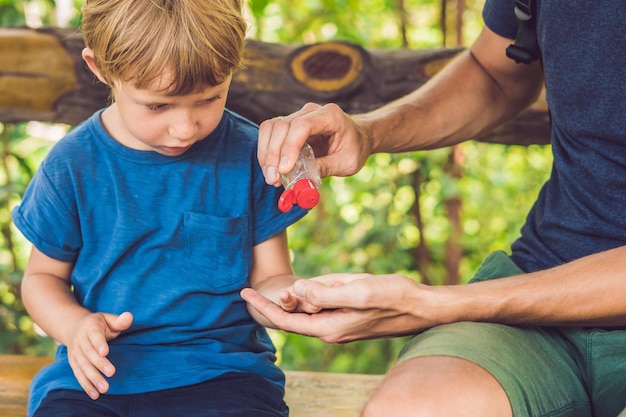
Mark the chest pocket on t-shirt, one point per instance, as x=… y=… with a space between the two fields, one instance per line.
x=217 y=251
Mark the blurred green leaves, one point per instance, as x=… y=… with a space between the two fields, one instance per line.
x=21 y=155
x=391 y=217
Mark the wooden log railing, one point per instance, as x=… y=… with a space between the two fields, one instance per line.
x=42 y=77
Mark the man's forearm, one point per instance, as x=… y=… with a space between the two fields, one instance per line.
x=589 y=291
x=475 y=93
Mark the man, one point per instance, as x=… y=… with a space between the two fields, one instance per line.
x=550 y=338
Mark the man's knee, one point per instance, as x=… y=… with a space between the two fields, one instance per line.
x=438 y=386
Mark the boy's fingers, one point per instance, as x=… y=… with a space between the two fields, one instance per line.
x=87 y=386
x=119 y=323
x=89 y=378
x=95 y=354
x=287 y=301
x=95 y=345
x=95 y=379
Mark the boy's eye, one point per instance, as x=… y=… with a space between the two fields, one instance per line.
x=155 y=107
x=210 y=100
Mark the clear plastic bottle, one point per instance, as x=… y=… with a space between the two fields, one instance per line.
x=301 y=182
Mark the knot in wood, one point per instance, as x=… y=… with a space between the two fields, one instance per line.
x=329 y=66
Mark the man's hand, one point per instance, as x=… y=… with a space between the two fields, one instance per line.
x=353 y=307
x=340 y=144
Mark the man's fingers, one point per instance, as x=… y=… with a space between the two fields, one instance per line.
x=338 y=278
x=272 y=135
x=324 y=296
x=264 y=306
x=331 y=292
x=281 y=138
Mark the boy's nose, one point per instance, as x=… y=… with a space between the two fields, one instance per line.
x=184 y=128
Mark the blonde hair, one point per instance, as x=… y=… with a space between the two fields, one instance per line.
x=198 y=43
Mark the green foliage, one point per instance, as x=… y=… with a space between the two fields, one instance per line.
x=11 y=13
x=21 y=156
x=371 y=23
x=364 y=223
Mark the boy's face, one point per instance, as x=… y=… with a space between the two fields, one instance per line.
x=148 y=119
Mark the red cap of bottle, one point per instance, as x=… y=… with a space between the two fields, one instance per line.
x=303 y=193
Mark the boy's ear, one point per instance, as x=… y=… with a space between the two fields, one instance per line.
x=90 y=59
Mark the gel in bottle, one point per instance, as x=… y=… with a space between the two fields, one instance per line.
x=301 y=182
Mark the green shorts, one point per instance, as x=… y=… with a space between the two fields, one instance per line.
x=545 y=371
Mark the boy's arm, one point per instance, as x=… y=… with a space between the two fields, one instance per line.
x=48 y=297
x=272 y=276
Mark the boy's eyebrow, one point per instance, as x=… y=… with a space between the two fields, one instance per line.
x=150 y=97
x=161 y=100
x=164 y=99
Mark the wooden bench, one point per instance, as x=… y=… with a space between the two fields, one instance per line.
x=309 y=394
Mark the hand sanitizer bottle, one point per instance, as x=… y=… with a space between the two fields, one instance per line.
x=301 y=182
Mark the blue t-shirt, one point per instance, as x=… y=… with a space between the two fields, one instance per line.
x=169 y=239
x=579 y=210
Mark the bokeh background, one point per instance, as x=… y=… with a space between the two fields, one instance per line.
x=432 y=216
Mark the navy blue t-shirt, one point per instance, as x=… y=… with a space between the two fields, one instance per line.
x=579 y=209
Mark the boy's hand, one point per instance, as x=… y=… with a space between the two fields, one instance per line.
x=289 y=301
x=88 y=349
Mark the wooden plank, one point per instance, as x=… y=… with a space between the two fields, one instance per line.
x=321 y=394
x=16 y=371
x=308 y=394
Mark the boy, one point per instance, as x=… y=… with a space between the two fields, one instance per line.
x=146 y=222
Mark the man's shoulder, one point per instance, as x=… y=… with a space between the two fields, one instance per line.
x=499 y=16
